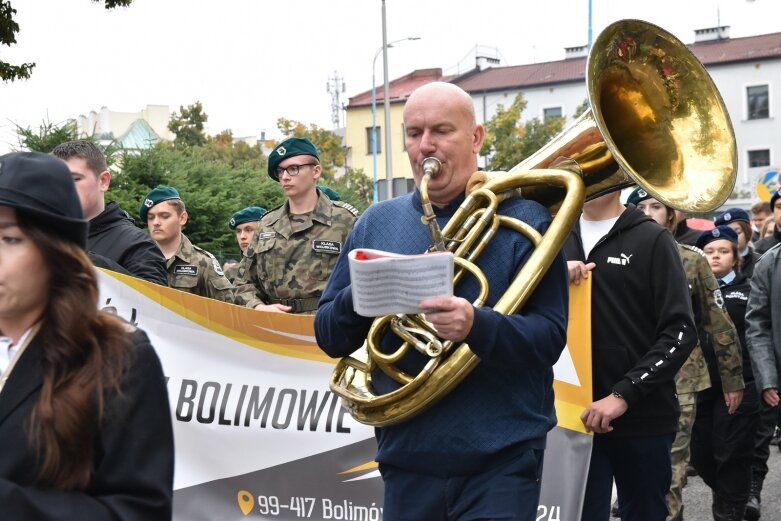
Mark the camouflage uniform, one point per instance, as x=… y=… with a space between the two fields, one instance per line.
x=715 y=326
x=195 y=270
x=291 y=256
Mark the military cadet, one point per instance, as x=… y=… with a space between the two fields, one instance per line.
x=712 y=322
x=739 y=220
x=296 y=245
x=243 y=223
x=723 y=437
x=190 y=268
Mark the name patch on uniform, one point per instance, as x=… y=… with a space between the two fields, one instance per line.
x=267 y=235
x=186 y=269
x=322 y=246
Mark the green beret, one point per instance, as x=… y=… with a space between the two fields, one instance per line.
x=638 y=195
x=294 y=146
x=330 y=192
x=248 y=214
x=158 y=195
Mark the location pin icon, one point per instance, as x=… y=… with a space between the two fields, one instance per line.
x=246 y=501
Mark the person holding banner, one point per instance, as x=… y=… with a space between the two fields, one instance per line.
x=113 y=236
x=85 y=424
x=295 y=247
x=243 y=223
x=642 y=332
x=189 y=268
x=478 y=452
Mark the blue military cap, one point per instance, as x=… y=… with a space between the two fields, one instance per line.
x=158 y=195
x=292 y=147
x=719 y=232
x=248 y=214
x=732 y=215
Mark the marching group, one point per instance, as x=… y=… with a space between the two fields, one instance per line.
x=685 y=368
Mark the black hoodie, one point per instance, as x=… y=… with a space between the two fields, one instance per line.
x=641 y=320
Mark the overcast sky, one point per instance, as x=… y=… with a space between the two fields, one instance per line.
x=252 y=61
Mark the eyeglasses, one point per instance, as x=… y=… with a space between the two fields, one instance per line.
x=292 y=170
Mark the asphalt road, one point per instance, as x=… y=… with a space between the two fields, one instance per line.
x=697 y=495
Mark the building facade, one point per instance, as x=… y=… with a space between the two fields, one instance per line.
x=127 y=130
x=747 y=72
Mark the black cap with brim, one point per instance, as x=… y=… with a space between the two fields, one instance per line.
x=42 y=187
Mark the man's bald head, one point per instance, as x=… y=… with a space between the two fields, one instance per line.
x=442 y=92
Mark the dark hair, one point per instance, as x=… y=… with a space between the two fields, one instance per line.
x=85 y=150
x=85 y=353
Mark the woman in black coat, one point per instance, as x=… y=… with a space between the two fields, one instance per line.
x=85 y=427
x=723 y=440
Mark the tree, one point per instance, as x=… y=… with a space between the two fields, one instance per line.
x=507 y=142
x=188 y=125
x=48 y=136
x=9 y=29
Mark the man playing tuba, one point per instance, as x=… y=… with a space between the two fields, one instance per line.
x=478 y=452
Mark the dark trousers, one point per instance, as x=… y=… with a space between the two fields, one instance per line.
x=723 y=444
x=768 y=416
x=642 y=470
x=507 y=490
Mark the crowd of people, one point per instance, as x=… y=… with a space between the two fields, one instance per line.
x=685 y=328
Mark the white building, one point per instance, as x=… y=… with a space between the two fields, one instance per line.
x=127 y=130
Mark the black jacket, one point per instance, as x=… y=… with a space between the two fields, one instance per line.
x=685 y=235
x=134 y=448
x=748 y=262
x=736 y=295
x=113 y=235
x=762 y=245
x=641 y=319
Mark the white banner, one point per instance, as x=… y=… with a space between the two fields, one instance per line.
x=258 y=433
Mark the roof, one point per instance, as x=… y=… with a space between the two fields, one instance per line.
x=710 y=53
x=140 y=136
x=400 y=88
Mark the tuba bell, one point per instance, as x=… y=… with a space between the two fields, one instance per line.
x=656 y=120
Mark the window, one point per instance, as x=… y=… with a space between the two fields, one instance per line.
x=758 y=102
x=551 y=112
x=758 y=158
x=369 y=139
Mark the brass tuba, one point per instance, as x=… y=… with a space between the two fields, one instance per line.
x=656 y=120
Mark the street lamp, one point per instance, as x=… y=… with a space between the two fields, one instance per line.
x=374 y=110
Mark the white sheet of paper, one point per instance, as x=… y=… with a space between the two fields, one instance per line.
x=386 y=283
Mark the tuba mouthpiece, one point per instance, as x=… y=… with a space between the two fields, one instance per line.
x=431 y=166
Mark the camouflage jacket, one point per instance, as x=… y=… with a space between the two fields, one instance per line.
x=195 y=270
x=291 y=257
x=715 y=329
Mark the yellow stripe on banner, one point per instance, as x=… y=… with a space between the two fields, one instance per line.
x=568 y=415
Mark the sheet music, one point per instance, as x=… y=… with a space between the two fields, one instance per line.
x=386 y=283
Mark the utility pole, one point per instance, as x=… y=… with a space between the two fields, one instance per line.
x=335 y=87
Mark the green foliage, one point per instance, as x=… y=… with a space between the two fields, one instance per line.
x=355 y=187
x=507 y=142
x=188 y=125
x=48 y=136
x=9 y=29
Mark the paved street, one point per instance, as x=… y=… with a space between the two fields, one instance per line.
x=697 y=496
